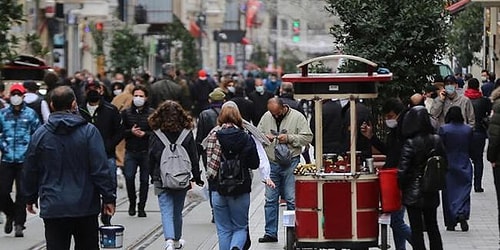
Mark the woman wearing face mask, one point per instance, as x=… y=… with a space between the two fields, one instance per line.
x=117 y=88
x=136 y=135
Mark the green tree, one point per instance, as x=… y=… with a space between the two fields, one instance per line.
x=127 y=51
x=405 y=36
x=34 y=45
x=259 y=57
x=187 y=56
x=466 y=35
x=11 y=14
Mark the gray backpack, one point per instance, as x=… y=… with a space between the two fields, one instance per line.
x=175 y=165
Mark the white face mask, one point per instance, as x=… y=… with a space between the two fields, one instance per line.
x=231 y=89
x=139 y=101
x=391 y=123
x=450 y=89
x=259 y=89
x=483 y=79
x=16 y=100
x=117 y=91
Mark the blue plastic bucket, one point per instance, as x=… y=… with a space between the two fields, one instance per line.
x=111 y=236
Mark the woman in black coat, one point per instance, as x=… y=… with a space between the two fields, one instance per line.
x=421 y=206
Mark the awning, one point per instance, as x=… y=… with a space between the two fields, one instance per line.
x=457 y=7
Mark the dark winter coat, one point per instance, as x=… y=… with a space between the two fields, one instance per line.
x=108 y=121
x=493 y=152
x=420 y=140
x=66 y=167
x=245 y=106
x=332 y=127
x=166 y=89
x=134 y=116
x=260 y=104
x=482 y=109
x=235 y=141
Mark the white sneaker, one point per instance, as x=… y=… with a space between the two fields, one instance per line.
x=169 y=245
x=179 y=244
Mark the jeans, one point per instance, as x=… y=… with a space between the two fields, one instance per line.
x=58 y=232
x=428 y=215
x=231 y=219
x=171 y=204
x=285 y=183
x=400 y=230
x=476 y=155
x=132 y=161
x=10 y=172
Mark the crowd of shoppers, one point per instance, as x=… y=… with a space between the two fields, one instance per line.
x=233 y=116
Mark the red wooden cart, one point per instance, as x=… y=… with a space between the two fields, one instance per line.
x=335 y=210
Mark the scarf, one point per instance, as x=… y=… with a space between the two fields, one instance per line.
x=473 y=93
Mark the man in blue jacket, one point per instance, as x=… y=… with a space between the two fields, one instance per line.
x=17 y=124
x=66 y=164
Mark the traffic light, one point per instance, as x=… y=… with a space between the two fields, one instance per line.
x=296 y=31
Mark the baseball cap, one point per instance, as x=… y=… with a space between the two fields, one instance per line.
x=17 y=87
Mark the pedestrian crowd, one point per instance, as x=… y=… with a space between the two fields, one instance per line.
x=67 y=152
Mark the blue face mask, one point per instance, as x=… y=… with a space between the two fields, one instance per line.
x=450 y=89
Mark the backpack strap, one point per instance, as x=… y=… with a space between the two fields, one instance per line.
x=162 y=136
x=182 y=136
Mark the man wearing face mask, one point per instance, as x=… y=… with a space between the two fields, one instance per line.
x=106 y=118
x=136 y=133
x=259 y=97
x=17 y=124
x=393 y=111
x=488 y=79
x=449 y=97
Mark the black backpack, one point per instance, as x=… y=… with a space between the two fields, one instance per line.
x=434 y=175
x=231 y=176
x=37 y=106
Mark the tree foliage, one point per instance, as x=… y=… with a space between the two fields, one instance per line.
x=127 y=51
x=11 y=14
x=466 y=34
x=405 y=36
x=187 y=57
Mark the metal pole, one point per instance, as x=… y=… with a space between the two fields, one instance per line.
x=217 y=44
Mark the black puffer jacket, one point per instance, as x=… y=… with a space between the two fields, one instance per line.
x=415 y=152
x=493 y=153
x=139 y=117
x=235 y=141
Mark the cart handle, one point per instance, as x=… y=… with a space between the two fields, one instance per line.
x=305 y=70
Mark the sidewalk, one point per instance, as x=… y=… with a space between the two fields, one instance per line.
x=200 y=233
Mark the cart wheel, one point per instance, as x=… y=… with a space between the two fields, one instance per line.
x=290 y=238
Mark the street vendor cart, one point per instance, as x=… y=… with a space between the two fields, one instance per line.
x=336 y=198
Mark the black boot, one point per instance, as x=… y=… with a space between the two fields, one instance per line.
x=131 y=208
x=141 y=212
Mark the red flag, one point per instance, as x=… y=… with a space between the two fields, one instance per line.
x=252 y=8
x=194 y=29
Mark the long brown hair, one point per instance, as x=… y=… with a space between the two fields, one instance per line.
x=170 y=117
x=230 y=114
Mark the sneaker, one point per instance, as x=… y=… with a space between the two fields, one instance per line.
x=120 y=178
x=268 y=238
x=8 y=225
x=19 y=231
x=179 y=244
x=169 y=245
x=479 y=190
